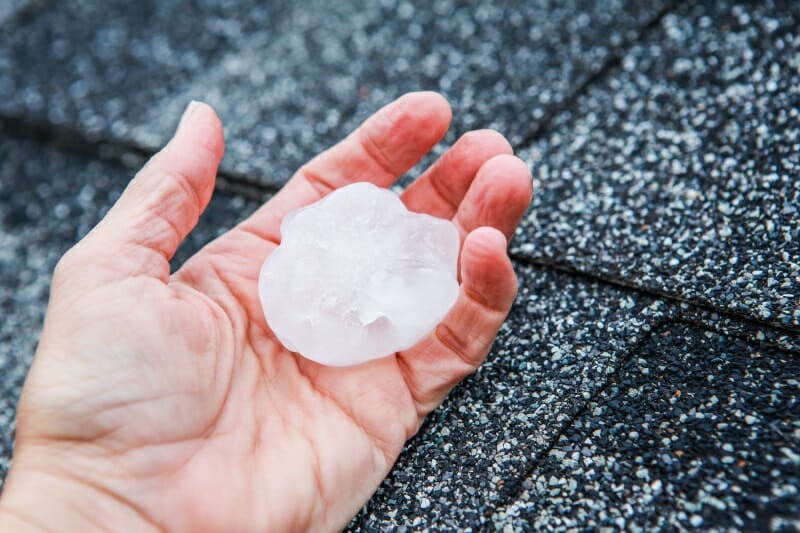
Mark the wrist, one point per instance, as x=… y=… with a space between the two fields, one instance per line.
x=41 y=501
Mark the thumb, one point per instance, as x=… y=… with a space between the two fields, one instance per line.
x=162 y=204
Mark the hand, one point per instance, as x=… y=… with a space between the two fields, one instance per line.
x=164 y=401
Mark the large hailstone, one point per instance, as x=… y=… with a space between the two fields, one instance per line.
x=357 y=276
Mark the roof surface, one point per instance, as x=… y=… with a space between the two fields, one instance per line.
x=648 y=375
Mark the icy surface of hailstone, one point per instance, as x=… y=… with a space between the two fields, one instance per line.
x=357 y=277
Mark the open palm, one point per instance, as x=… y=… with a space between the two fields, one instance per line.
x=165 y=400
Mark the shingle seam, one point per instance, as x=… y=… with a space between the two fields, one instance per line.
x=615 y=58
x=242 y=183
x=113 y=150
x=553 y=264
x=512 y=491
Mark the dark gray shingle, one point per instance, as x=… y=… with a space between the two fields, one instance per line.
x=679 y=171
x=698 y=430
x=291 y=80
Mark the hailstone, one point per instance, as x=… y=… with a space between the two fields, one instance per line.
x=358 y=277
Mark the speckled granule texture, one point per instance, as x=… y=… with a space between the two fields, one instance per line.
x=697 y=430
x=504 y=65
x=48 y=200
x=679 y=171
x=98 y=67
x=286 y=79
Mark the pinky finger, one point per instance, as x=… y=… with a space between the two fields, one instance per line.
x=461 y=341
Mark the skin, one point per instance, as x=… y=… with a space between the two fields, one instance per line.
x=161 y=401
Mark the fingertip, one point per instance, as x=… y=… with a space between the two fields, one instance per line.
x=486 y=270
x=200 y=126
x=430 y=108
x=440 y=190
x=512 y=169
x=487 y=141
x=519 y=182
x=195 y=150
x=499 y=195
x=431 y=100
x=394 y=139
x=477 y=148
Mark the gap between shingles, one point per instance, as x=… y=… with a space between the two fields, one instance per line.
x=554 y=265
x=78 y=142
x=24 y=14
x=616 y=55
x=511 y=493
x=115 y=150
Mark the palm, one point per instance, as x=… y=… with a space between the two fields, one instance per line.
x=222 y=426
x=277 y=416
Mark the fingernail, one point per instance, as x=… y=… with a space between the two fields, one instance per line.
x=190 y=109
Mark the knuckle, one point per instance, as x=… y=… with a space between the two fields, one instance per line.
x=180 y=191
x=371 y=143
x=173 y=205
x=457 y=344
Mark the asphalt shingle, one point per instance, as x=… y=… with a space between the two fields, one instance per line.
x=697 y=430
x=98 y=67
x=291 y=80
x=679 y=171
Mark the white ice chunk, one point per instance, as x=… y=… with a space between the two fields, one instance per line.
x=357 y=276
